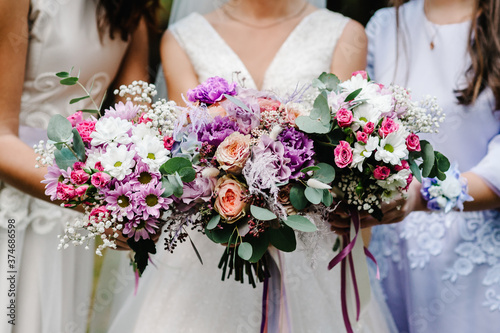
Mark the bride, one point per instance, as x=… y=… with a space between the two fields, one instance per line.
x=274 y=45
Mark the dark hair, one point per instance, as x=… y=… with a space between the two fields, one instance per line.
x=123 y=16
x=484 y=51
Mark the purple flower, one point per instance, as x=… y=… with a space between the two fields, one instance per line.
x=150 y=202
x=143 y=176
x=125 y=111
x=199 y=190
x=215 y=132
x=121 y=200
x=53 y=176
x=211 y=91
x=141 y=228
x=298 y=148
x=247 y=118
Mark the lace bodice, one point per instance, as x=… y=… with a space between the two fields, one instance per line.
x=306 y=53
x=62 y=34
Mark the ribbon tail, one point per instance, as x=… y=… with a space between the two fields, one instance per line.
x=372 y=258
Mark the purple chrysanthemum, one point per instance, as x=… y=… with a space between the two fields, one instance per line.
x=54 y=176
x=247 y=118
x=150 y=201
x=142 y=176
x=121 y=200
x=125 y=111
x=215 y=132
x=141 y=228
x=211 y=91
x=298 y=148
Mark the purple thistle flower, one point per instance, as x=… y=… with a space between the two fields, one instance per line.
x=121 y=201
x=54 y=176
x=215 y=132
x=141 y=228
x=150 y=202
x=299 y=148
x=125 y=111
x=211 y=91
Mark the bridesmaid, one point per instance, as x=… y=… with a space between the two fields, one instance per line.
x=49 y=290
x=441 y=272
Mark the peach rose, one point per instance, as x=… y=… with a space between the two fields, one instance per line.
x=233 y=152
x=216 y=110
x=231 y=199
x=267 y=104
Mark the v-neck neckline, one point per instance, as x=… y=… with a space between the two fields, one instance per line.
x=243 y=67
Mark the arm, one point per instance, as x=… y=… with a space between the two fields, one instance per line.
x=350 y=53
x=17 y=167
x=179 y=72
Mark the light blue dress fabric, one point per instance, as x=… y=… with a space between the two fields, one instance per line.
x=440 y=273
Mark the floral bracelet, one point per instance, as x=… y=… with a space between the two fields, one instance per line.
x=448 y=194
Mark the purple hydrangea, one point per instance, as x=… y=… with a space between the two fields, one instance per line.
x=298 y=148
x=215 y=132
x=247 y=117
x=211 y=91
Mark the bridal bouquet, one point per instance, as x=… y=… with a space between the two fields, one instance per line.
x=369 y=134
x=252 y=167
x=112 y=167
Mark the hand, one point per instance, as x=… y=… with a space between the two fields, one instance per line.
x=394 y=211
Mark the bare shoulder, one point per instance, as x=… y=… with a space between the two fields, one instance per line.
x=353 y=31
x=351 y=50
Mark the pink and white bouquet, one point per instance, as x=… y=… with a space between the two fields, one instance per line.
x=110 y=166
x=250 y=161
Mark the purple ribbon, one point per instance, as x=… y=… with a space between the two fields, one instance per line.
x=372 y=257
x=265 y=293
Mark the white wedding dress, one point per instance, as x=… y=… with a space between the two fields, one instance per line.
x=52 y=287
x=180 y=294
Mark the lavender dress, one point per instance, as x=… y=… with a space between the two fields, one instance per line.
x=440 y=273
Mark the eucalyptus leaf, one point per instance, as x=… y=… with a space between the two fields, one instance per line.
x=321 y=111
x=311 y=168
x=415 y=170
x=176 y=183
x=237 y=102
x=428 y=157
x=174 y=164
x=78 y=145
x=443 y=164
x=59 y=129
x=76 y=100
x=318 y=84
x=65 y=158
x=309 y=125
x=220 y=236
x=262 y=213
x=314 y=195
x=259 y=246
x=327 y=198
x=187 y=174
x=297 y=197
x=167 y=186
x=353 y=95
x=283 y=238
x=325 y=174
x=331 y=81
x=214 y=221
x=300 y=223
x=69 y=81
x=245 y=251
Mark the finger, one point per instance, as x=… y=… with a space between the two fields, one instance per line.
x=340 y=231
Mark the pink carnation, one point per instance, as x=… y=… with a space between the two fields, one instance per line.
x=80 y=191
x=343 y=154
x=413 y=142
x=363 y=74
x=99 y=166
x=100 y=179
x=388 y=126
x=78 y=166
x=404 y=165
x=79 y=177
x=381 y=172
x=369 y=128
x=344 y=117
x=65 y=192
x=362 y=137
x=75 y=118
x=85 y=128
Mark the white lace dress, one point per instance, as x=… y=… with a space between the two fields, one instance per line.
x=180 y=294
x=52 y=287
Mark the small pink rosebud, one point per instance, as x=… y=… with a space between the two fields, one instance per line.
x=143 y=119
x=100 y=179
x=413 y=142
x=404 y=165
x=363 y=74
x=362 y=136
x=75 y=118
x=65 y=192
x=80 y=191
x=78 y=166
x=344 y=117
x=168 y=142
x=79 y=177
x=369 y=128
x=99 y=166
x=388 y=126
x=343 y=154
x=381 y=172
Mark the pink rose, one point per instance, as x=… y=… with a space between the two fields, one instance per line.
x=381 y=172
x=100 y=179
x=413 y=142
x=404 y=165
x=344 y=117
x=216 y=110
x=363 y=74
x=78 y=166
x=343 y=154
x=362 y=137
x=79 y=177
x=99 y=166
x=408 y=181
x=65 y=192
x=292 y=114
x=231 y=199
x=233 y=152
x=85 y=128
x=168 y=142
x=80 y=191
x=388 y=126
x=267 y=104
x=75 y=118
x=369 y=128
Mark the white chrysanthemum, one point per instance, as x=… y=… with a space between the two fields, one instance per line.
x=152 y=152
x=392 y=148
x=118 y=161
x=382 y=103
x=395 y=181
x=365 y=113
x=361 y=152
x=111 y=130
x=140 y=131
x=354 y=83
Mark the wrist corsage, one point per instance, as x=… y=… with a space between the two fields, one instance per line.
x=447 y=194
